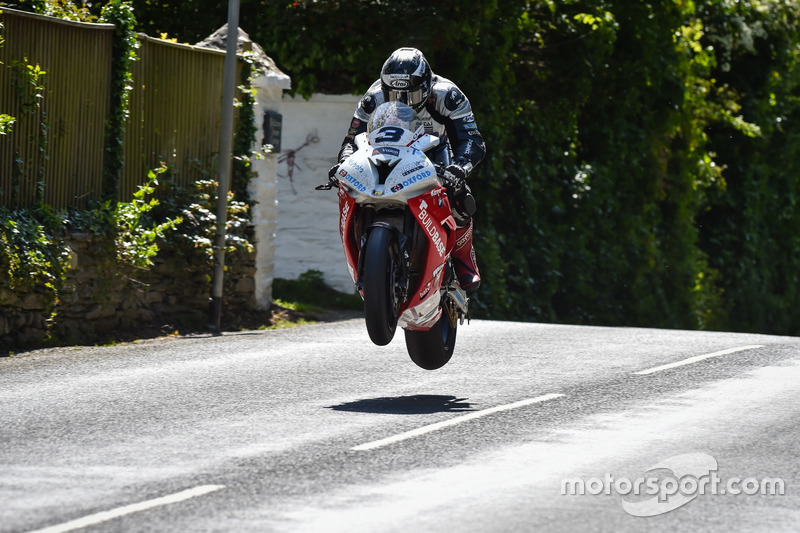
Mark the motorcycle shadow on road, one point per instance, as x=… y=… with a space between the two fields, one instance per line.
x=417 y=404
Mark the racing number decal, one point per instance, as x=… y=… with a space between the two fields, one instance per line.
x=390 y=134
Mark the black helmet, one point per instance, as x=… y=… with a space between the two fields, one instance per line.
x=406 y=77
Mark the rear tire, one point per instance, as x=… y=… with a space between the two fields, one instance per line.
x=381 y=306
x=433 y=348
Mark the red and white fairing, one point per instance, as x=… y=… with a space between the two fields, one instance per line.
x=388 y=170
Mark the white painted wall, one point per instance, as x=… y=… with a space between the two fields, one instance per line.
x=306 y=232
x=263 y=189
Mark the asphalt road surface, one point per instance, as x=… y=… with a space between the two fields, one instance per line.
x=530 y=427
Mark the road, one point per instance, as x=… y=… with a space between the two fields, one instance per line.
x=530 y=427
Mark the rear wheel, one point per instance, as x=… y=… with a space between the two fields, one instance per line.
x=432 y=349
x=381 y=305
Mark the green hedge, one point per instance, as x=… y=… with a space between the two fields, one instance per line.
x=642 y=165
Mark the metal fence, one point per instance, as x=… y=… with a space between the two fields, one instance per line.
x=55 y=151
x=176 y=111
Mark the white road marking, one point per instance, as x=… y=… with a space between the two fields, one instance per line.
x=452 y=422
x=696 y=359
x=104 y=516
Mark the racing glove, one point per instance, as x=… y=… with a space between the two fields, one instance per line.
x=332 y=174
x=333 y=181
x=455 y=179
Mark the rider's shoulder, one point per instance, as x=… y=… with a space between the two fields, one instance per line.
x=446 y=94
x=371 y=99
x=440 y=83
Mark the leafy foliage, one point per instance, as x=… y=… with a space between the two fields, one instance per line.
x=642 y=164
x=193 y=208
x=136 y=240
x=639 y=152
x=29 y=82
x=33 y=256
x=245 y=135
x=188 y=21
x=129 y=229
x=64 y=9
x=123 y=53
x=749 y=221
x=164 y=214
x=6 y=121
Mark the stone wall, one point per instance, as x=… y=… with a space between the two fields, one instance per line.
x=99 y=299
x=23 y=319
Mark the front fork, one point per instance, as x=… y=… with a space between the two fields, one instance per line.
x=368 y=222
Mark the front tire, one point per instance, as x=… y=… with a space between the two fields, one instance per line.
x=433 y=348
x=381 y=306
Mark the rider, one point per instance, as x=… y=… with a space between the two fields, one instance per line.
x=444 y=110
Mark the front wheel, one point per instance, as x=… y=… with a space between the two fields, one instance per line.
x=381 y=306
x=433 y=348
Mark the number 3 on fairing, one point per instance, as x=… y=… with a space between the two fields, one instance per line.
x=390 y=134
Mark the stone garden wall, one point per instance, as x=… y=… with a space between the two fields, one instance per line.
x=99 y=299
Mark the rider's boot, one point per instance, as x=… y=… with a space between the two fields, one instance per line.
x=464 y=259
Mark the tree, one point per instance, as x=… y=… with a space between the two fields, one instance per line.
x=641 y=154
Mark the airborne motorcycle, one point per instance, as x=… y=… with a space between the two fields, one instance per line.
x=398 y=231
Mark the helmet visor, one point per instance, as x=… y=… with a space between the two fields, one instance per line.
x=414 y=97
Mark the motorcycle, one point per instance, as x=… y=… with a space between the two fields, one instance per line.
x=398 y=232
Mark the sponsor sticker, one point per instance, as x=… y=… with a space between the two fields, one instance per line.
x=413 y=168
x=385 y=150
x=430 y=227
x=349 y=178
